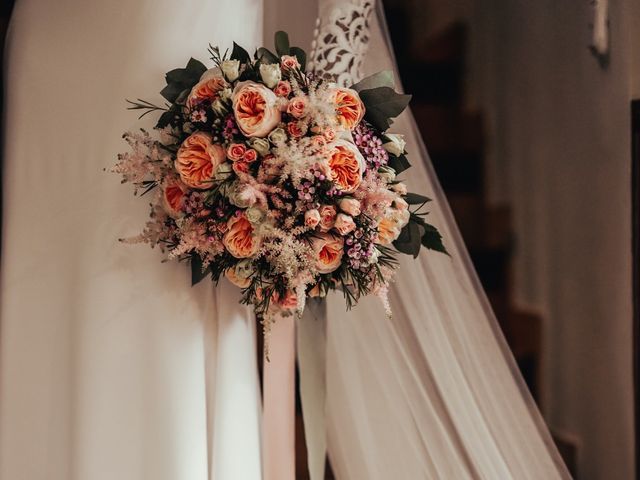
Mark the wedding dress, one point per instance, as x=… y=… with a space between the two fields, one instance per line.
x=112 y=367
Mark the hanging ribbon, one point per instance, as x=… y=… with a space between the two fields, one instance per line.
x=278 y=421
x=312 y=346
x=278 y=425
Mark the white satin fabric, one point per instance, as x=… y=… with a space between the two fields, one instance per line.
x=111 y=366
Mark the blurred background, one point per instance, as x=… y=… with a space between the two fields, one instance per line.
x=530 y=131
x=529 y=128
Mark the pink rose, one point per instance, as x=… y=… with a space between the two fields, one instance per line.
x=240 y=167
x=250 y=155
x=344 y=224
x=197 y=160
x=297 y=107
x=294 y=129
x=327 y=217
x=329 y=134
x=255 y=109
x=289 y=62
x=235 y=151
x=328 y=250
x=350 y=206
x=312 y=218
x=289 y=301
x=283 y=88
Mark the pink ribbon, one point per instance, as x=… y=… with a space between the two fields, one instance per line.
x=278 y=422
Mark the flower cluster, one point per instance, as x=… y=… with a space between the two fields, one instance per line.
x=283 y=184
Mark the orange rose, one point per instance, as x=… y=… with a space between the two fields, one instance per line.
x=349 y=107
x=235 y=151
x=197 y=160
x=255 y=109
x=328 y=250
x=207 y=89
x=346 y=165
x=173 y=197
x=240 y=239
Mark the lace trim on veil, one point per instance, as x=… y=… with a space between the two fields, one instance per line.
x=341 y=41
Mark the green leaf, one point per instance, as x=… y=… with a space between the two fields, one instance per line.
x=409 y=240
x=282 y=43
x=416 y=199
x=380 y=79
x=267 y=56
x=432 y=239
x=301 y=55
x=383 y=104
x=197 y=273
x=181 y=79
x=399 y=164
x=239 y=53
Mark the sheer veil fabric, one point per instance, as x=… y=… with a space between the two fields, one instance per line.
x=433 y=392
x=111 y=367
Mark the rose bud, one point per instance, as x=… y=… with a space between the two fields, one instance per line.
x=344 y=224
x=312 y=218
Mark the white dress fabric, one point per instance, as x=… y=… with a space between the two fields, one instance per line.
x=111 y=366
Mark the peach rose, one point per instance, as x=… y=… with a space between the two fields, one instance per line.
x=240 y=239
x=328 y=250
x=173 y=195
x=289 y=62
x=312 y=218
x=207 y=89
x=349 y=108
x=400 y=188
x=297 y=107
x=388 y=231
x=250 y=155
x=327 y=217
x=350 y=206
x=235 y=151
x=344 y=224
x=255 y=109
x=347 y=166
x=197 y=160
x=283 y=88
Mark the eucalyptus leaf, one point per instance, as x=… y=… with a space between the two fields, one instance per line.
x=240 y=54
x=267 y=56
x=416 y=199
x=409 y=240
x=432 y=239
x=197 y=273
x=380 y=79
x=282 y=43
x=383 y=104
x=301 y=55
x=399 y=164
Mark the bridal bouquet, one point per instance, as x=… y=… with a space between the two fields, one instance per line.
x=282 y=182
